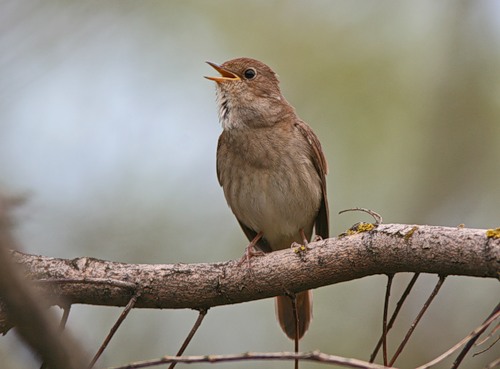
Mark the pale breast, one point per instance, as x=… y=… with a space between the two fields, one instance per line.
x=271 y=185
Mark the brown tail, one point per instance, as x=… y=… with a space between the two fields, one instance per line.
x=286 y=317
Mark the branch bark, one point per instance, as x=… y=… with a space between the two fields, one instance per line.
x=388 y=249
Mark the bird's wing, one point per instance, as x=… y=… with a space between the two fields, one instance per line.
x=220 y=142
x=322 y=219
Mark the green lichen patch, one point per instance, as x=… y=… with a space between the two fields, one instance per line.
x=410 y=233
x=493 y=233
x=358 y=228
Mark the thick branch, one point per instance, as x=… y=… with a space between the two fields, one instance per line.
x=390 y=248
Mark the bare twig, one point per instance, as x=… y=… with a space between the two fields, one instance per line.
x=417 y=319
x=65 y=316
x=462 y=342
x=115 y=327
x=471 y=342
x=489 y=336
x=375 y=215
x=201 y=315
x=62 y=325
x=390 y=277
x=297 y=339
x=493 y=364
x=487 y=348
x=314 y=356
x=394 y=315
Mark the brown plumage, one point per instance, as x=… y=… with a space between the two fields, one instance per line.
x=271 y=168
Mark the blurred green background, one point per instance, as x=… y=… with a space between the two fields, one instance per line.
x=109 y=129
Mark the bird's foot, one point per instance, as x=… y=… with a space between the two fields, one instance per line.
x=251 y=250
x=298 y=248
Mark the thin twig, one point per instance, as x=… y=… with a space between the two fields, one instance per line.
x=417 y=319
x=489 y=336
x=459 y=344
x=375 y=215
x=487 y=348
x=65 y=316
x=115 y=327
x=390 y=277
x=471 y=342
x=62 y=324
x=399 y=305
x=315 y=356
x=493 y=364
x=201 y=315
x=296 y=315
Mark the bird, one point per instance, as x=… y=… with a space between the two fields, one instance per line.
x=272 y=170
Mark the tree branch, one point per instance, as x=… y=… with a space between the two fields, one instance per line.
x=388 y=249
x=314 y=356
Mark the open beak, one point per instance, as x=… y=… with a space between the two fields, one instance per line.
x=225 y=74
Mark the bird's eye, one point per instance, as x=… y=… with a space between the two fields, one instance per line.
x=250 y=73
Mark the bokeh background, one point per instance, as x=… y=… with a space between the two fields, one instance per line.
x=109 y=130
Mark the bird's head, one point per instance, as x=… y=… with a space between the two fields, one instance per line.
x=248 y=94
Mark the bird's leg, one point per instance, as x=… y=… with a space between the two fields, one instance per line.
x=305 y=244
x=251 y=250
x=304 y=238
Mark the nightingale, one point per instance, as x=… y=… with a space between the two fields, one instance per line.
x=272 y=170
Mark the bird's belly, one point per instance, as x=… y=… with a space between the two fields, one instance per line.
x=275 y=200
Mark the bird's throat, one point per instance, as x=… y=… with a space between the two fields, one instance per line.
x=224 y=109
